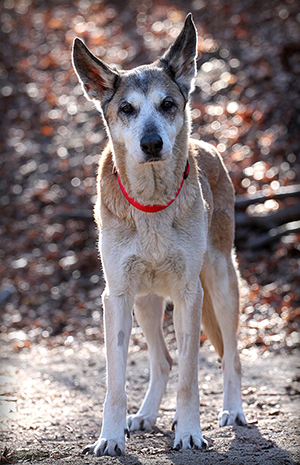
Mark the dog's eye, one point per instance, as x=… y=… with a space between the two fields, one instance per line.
x=127 y=107
x=167 y=104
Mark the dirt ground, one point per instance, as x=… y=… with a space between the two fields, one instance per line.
x=52 y=401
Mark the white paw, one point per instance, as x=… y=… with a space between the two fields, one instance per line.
x=139 y=422
x=234 y=417
x=112 y=447
x=189 y=440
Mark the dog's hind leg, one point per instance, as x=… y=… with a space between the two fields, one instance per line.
x=149 y=313
x=221 y=281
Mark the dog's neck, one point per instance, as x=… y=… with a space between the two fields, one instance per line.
x=151 y=183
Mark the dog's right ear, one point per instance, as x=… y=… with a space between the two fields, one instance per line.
x=97 y=78
x=180 y=58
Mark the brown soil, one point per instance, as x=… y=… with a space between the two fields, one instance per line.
x=52 y=403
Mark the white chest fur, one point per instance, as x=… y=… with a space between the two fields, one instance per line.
x=158 y=255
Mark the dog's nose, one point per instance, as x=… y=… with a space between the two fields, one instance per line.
x=151 y=144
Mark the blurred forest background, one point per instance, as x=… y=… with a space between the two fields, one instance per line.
x=246 y=103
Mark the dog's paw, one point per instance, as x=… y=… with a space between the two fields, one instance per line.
x=228 y=418
x=112 y=447
x=190 y=440
x=139 y=422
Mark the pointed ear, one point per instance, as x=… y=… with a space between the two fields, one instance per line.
x=98 y=79
x=180 y=58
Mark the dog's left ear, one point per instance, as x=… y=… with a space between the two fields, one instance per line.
x=97 y=78
x=180 y=58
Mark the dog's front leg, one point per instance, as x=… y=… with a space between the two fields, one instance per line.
x=187 y=319
x=117 y=325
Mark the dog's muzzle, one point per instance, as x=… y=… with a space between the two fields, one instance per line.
x=151 y=145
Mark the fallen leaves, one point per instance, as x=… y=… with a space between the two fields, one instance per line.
x=5 y=456
x=245 y=103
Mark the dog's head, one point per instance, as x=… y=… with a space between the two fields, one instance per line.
x=145 y=108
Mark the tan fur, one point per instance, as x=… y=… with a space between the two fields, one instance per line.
x=218 y=197
x=183 y=252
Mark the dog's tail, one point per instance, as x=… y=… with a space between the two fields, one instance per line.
x=210 y=323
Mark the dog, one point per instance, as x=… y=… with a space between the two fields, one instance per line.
x=165 y=213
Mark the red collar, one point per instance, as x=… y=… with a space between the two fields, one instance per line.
x=152 y=208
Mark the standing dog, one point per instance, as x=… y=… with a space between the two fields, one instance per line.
x=165 y=213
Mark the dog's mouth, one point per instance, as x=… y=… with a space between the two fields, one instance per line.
x=153 y=160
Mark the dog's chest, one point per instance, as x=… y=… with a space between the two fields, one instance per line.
x=161 y=256
x=152 y=243
x=158 y=253
x=154 y=239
